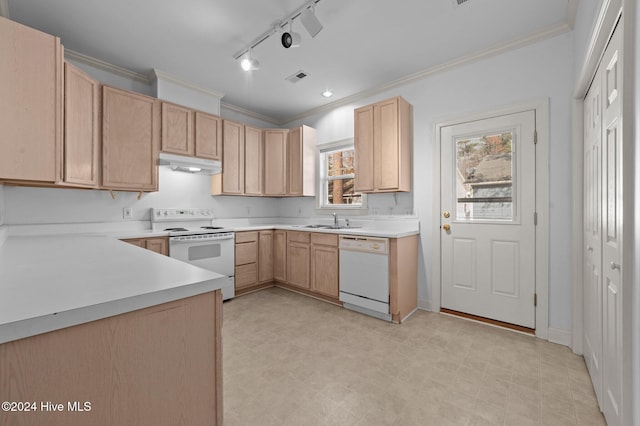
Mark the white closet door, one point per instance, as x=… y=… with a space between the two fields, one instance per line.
x=612 y=229
x=592 y=285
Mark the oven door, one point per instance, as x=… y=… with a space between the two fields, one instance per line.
x=216 y=255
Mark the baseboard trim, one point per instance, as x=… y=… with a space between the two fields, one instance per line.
x=561 y=337
x=425 y=305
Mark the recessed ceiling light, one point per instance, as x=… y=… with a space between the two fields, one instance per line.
x=327 y=93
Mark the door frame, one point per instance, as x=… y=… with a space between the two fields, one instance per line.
x=541 y=108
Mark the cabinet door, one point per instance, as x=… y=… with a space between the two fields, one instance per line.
x=208 y=136
x=275 y=161
x=81 y=128
x=177 y=129
x=265 y=257
x=294 y=163
x=232 y=158
x=252 y=161
x=363 y=143
x=324 y=270
x=386 y=145
x=246 y=253
x=130 y=140
x=280 y=256
x=246 y=275
x=158 y=245
x=298 y=255
x=138 y=242
x=31 y=110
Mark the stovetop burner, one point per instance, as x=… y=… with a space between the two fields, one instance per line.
x=212 y=227
x=176 y=229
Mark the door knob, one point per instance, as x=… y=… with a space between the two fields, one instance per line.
x=446 y=215
x=446 y=227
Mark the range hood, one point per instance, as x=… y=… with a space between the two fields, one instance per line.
x=194 y=165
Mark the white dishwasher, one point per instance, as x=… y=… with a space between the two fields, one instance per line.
x=364 y=275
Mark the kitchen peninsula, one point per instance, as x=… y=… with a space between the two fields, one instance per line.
x=90 y=319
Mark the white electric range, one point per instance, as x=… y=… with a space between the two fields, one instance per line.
x=194 y=240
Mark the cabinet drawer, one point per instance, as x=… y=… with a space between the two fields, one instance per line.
x=246 y=253
x=325 y=239
x=246 y=275
x=245 y=237
x=301 y=237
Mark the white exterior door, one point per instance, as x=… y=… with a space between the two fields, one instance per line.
x=487 y=218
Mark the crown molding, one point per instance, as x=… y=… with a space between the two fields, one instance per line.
x=538 y=36
x=251 y=114
x=106 y=66
x=4 y=8
x=158 y=74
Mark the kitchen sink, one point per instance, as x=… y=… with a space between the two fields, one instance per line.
x=318 y=226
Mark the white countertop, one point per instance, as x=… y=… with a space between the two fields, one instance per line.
x=356 y=230
x=55 y=281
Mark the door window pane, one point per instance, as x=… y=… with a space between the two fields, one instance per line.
x=484 y=177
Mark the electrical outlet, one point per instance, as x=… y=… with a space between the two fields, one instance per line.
x=127 y=213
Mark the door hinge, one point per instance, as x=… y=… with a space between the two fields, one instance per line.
x=535 y=218
x=535 y=299
x=535 y=137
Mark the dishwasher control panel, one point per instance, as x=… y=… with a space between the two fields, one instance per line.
x=364 y=244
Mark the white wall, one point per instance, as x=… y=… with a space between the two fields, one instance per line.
x=531 y=73
x=24 y=205
x=635 y=277
x=1 y=204
x=114 y=80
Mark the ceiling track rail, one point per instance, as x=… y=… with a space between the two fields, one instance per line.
x=282 y=24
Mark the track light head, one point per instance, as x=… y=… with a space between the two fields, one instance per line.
x=310 y=21
x=248 y=63
x=290 y=38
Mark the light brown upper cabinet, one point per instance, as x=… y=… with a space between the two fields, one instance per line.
x=177 y=130
x=231 y=180
x=275 y=162
x=253 y=161
x=383 y=139
x=130 y=140
x=31 y=109
x=301 y=166
x=191 y=133
x=208 y=136
x=81 y=128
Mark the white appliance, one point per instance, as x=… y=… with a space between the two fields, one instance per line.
x=200 y=166
x=194 y=240
x=364 y=275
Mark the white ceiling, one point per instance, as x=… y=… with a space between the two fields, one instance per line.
x=365 y=44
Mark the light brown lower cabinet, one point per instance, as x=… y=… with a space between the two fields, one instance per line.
x=160 y=365
x=265 y=256
x=280 y=255
x=325 y=264
x=246 y=260
x=156 y=244
x=298 y=256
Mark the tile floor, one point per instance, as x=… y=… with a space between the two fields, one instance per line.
x=292 y=360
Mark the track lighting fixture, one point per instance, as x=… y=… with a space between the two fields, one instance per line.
x=307 y=16
x=310 y=21
x=249 y=63
x=290 y=38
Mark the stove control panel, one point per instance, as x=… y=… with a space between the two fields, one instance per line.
x=167 y=215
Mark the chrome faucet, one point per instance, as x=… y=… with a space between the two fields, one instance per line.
x=335 y=220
